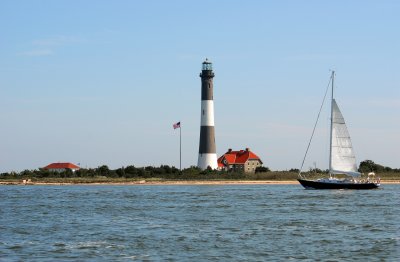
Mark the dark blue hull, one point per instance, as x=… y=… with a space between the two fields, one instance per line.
x=313 y=184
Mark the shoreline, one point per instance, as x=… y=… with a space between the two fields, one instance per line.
x=174 y=182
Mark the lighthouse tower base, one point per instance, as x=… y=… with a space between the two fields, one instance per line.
x=206 y=160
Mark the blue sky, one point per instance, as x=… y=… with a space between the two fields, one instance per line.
x=102 y=82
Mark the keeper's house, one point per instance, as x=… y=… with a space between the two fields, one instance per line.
x=61 y=167
x=239 y=161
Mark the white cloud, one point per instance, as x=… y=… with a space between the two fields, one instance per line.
x=39 y=52
x=58 y=41
x=382 y=102
x=313 y=57
x=48 y=46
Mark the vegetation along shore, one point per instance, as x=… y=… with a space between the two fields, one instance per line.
x=165 y=174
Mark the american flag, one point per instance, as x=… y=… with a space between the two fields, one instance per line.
x=177 y=125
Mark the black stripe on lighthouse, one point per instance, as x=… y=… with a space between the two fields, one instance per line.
x=207 y=87
x=207 y=140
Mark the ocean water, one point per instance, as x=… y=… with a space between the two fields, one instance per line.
x=198 y=223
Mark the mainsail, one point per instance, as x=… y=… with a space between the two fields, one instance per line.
x=343 y=160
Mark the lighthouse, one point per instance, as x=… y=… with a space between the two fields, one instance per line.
x=207 y=149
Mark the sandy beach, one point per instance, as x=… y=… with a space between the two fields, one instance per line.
x=175 y=182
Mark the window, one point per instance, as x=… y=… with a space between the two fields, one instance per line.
x=203 y=112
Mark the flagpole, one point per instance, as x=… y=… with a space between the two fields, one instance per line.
x=180 y=148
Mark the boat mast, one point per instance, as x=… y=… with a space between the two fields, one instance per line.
x=330 y=142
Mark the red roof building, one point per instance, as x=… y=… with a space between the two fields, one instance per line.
x=61 y=167
x=243 y=161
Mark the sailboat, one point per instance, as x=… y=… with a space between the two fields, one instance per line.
x=342 y=160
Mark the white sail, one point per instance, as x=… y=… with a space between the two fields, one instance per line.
x=342 y=156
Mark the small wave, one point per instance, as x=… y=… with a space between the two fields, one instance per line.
x=87 y=245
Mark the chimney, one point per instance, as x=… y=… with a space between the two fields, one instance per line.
x=229 y=150
x=247 y=149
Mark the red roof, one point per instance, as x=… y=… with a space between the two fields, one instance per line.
x=237 y=157
x=61 y=166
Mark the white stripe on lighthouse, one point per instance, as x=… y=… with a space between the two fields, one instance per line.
x=207 y=159
x=207 y=113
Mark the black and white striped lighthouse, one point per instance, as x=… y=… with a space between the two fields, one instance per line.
x=207 y=149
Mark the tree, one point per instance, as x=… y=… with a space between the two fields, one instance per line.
x=68 y=173
x=369 y=166
x=103 y=170
x=262 y=169
x=131 y=171
x=120 y=172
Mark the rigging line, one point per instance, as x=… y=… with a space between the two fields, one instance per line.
x=315 y=125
